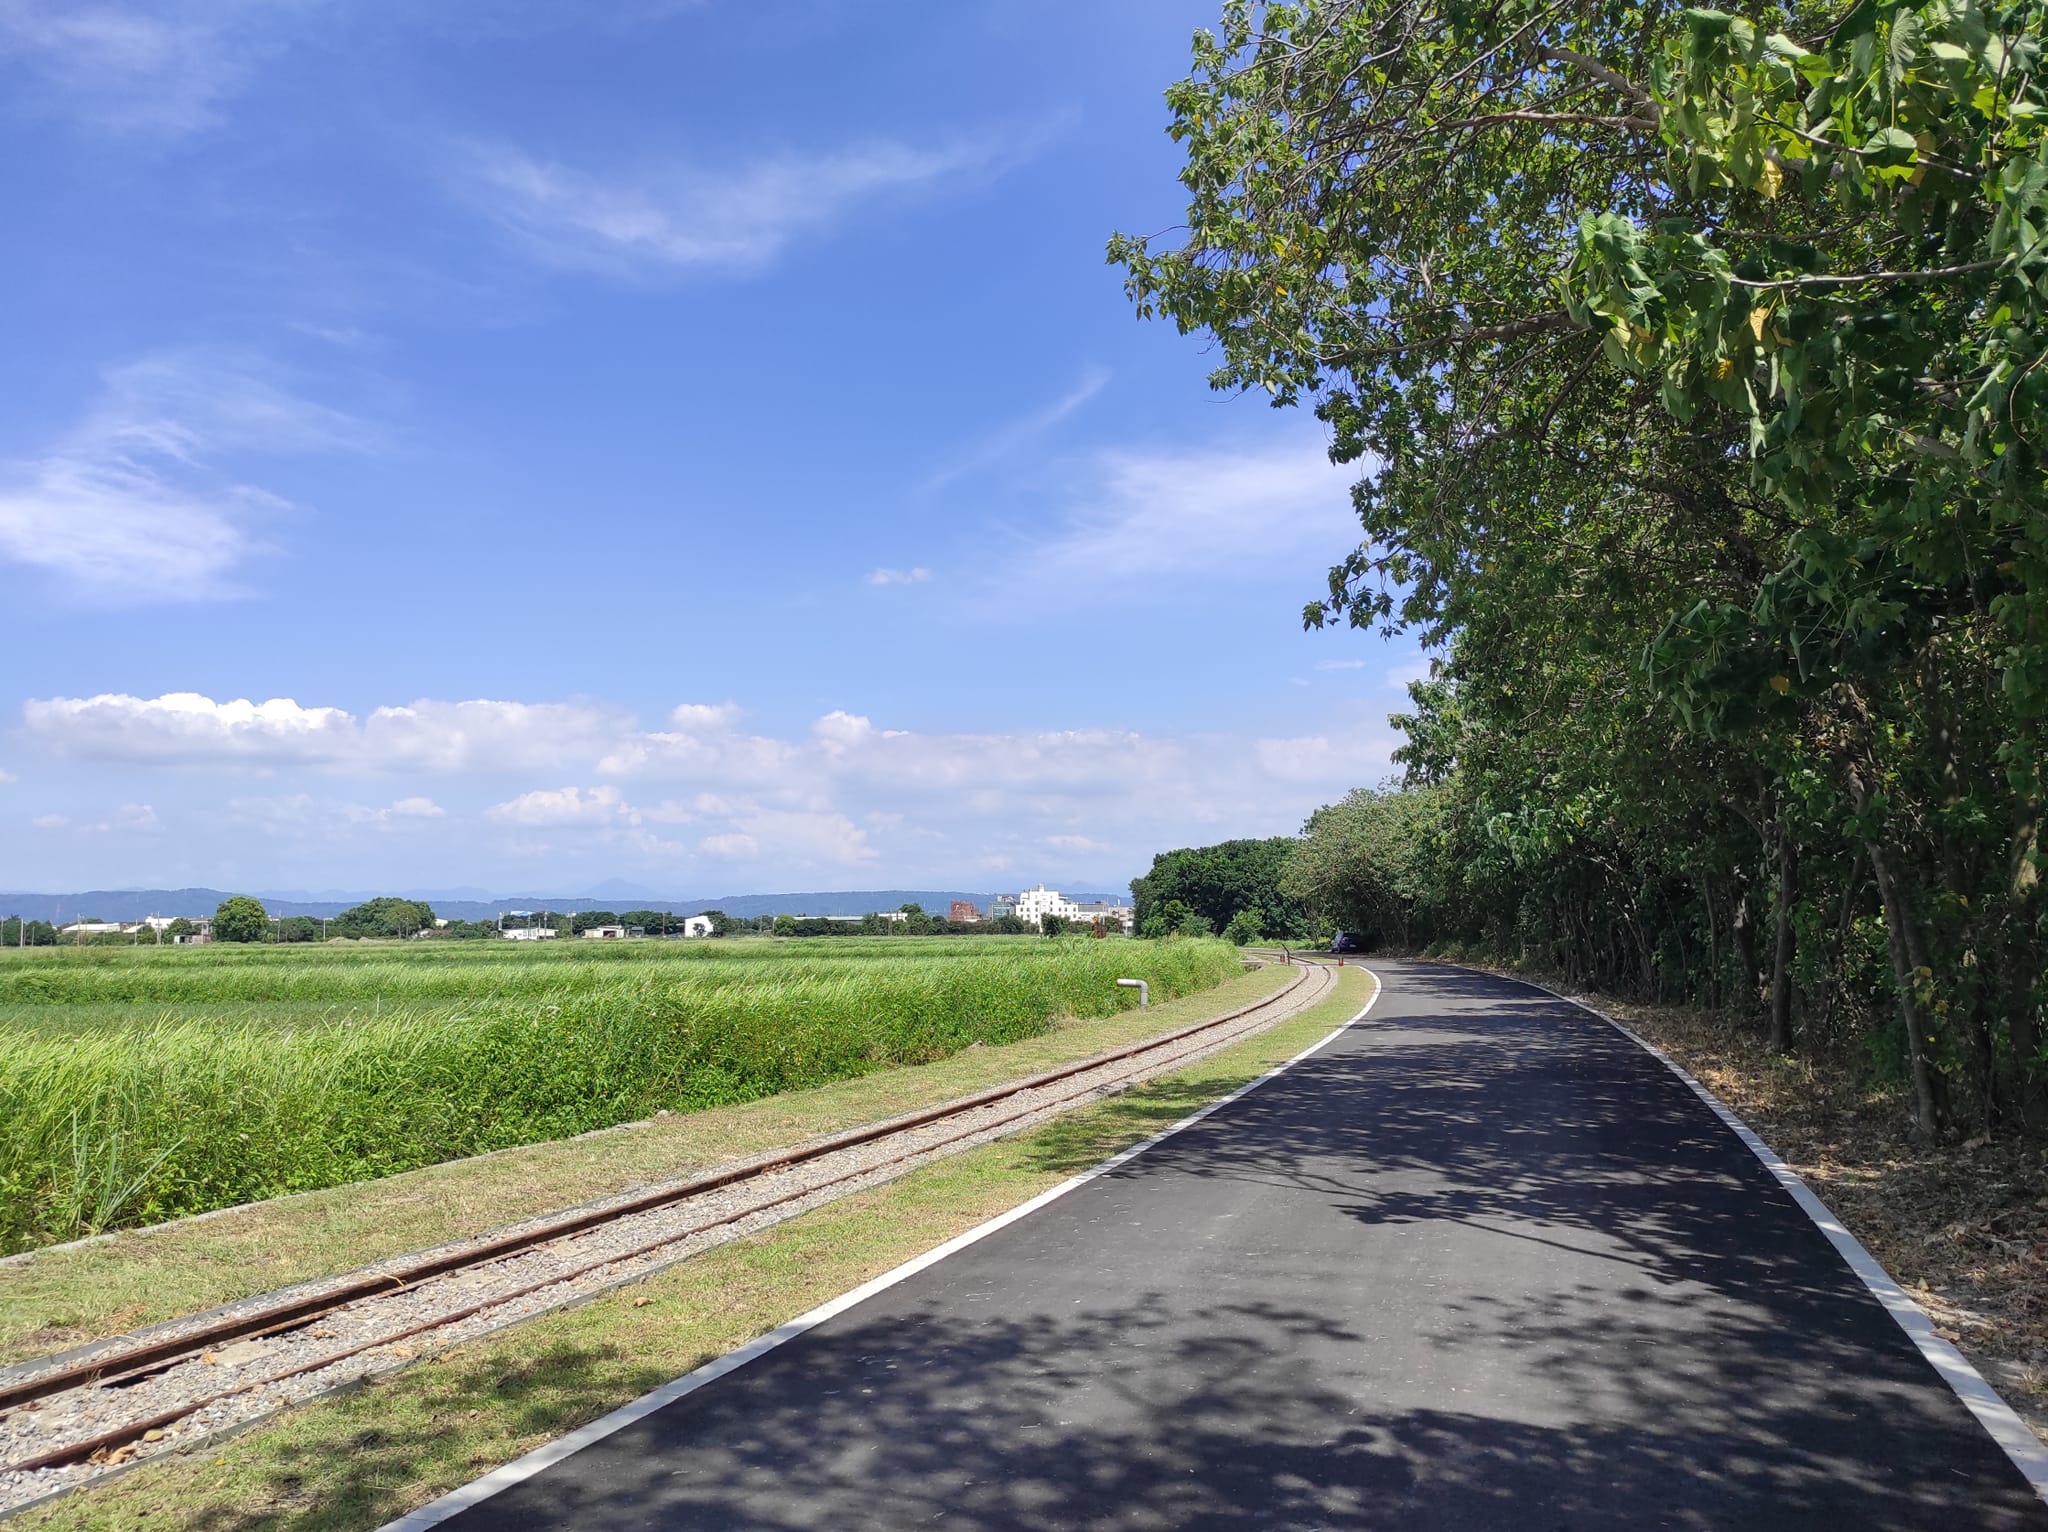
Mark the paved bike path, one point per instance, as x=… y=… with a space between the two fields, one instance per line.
x=1481 y=1263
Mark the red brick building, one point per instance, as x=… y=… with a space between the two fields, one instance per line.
x=963 y=912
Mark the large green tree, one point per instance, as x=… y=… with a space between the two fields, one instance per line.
x=386 y=916
x=1692 y=368
x=1217 y=883
x=240 y=918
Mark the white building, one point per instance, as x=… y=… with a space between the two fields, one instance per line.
x=1034 y=904
x=101 y=928
x=697 y=925
x=529 y=934
x=604 y=933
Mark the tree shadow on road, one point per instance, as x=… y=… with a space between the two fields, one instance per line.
x=1134 y=1417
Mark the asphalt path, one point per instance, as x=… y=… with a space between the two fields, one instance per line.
x=1481 y=1263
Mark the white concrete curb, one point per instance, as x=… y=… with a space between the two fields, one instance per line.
x=521 y=1469
x=1978 y=1396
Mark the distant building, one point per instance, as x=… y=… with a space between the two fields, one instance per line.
x=529 y=934
x=1034 y=904
x=99 y=928
x=604 y=933
x=1001 y=907
x=1113 y=915
x=963 y=913
x=698 y=925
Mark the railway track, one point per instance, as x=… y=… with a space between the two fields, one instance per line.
x=70 y=1418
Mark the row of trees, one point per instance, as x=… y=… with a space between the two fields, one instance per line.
x=1234 y=888
x=1694 y=367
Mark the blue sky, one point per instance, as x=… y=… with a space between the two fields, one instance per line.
x=474 y=444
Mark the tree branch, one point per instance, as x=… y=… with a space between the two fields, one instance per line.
x=1604 y=75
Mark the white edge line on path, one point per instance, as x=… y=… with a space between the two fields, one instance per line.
x=2028 y=1455
x=521 y=1469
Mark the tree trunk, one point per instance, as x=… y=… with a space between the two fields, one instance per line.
x=1745 y=952
x=2026 y=889
x=1903 y=938
x=1781 y=956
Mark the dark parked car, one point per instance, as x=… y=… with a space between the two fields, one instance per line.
x=1344 y=941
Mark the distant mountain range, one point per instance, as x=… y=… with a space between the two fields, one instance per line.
x=134 y=903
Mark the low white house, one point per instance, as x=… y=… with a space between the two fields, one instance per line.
x=604 y=933
x=529 y=934
x=697 y=925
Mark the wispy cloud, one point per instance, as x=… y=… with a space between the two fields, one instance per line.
x=916 y=576
x=1015 y=435
x=128 y=819
x=304 y=816
x=1168 y=512
x=133 y=505
x=158 y=70
x=1340 y=664
x=696 y=216
x=139 y=69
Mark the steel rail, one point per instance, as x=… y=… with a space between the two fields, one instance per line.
x=119 y=1436
x=113 y=1365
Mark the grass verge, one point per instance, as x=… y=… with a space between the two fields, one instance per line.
x=143 y=1123
x=1962 y=1227
x=359 y=1459
x=52 y=1299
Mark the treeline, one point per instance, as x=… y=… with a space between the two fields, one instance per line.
x=1695 y=374
x=1233 y=890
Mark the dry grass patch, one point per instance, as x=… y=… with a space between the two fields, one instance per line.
x=64 y=1297
x=359 y=1459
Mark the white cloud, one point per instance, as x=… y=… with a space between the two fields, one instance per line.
x=129 y=818
x=899 y=576
x=1017 y=434
x=7 y=778
x=428 y=736
x=302 y=815
x=1340 y=664
x=845 y=796
x=1075 y=843
x=1156 y=514
x=549 y=807
x=131 y=504
x=703 y=216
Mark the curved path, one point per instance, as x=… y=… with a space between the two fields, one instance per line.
x=1480 y=1263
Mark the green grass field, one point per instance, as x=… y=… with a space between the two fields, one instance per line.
x=144 y=1084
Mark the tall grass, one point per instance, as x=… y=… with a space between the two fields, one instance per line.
x=118 y=1126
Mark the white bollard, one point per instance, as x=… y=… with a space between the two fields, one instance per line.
x=1144 y=991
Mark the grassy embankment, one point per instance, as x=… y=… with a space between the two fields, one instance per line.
x=359 y=1459
x=52 y=1299
x=426 y=1054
